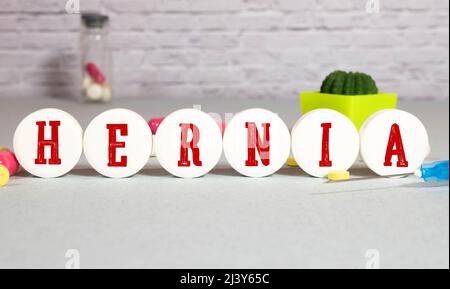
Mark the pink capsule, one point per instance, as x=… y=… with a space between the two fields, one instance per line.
x=154 y=124
x=222 y=126
x=8 y=159
x=95 y=73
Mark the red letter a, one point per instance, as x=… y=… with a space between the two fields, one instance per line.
x=395 y=140
x=254 y=142
x=193 y=145
x=114 y=144
x=53 y=143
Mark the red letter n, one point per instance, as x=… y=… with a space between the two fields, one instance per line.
x=395 y=140
x=114 y=144
x=255 y=143
x=53 y=143
x=193 y=145
x=325 y=162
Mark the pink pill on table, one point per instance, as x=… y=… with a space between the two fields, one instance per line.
x=222 y=126
x=95 y=73
x=9 y=160
x=154 y=124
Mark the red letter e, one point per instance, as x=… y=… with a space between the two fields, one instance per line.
x=113 y=144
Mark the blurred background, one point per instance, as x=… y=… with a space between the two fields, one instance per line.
x=228 y=48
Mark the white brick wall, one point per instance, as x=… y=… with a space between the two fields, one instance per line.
x=229 y=48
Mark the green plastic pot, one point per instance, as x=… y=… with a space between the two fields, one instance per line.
x=356 y=107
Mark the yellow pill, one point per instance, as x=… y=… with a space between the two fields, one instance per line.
x=339 y=176
x=292 y=162
x=3 y=149
x=4 y=176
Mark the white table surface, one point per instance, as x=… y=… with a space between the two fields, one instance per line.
x=222 y=220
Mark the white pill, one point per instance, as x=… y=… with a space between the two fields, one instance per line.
x=153 y=154
x=394 y=142
x=94 y=92
x=188 y=143
x=324 y=141
x=48 y=143
x=256 y=143
x=118 y=143
x=107 y=93
x=87 y=81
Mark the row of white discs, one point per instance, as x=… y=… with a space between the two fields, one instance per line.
x=306 y=141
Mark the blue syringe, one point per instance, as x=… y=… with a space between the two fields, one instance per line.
x=437 y=171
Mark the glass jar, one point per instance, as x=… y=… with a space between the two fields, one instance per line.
x=96 y=58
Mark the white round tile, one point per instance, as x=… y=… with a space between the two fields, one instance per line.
x=118 y=143
x=391 y=130
x=241 y=138
x=175 y=137
x=324 y=140
x=60 y=146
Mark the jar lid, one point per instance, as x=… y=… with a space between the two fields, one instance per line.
x=94 y=20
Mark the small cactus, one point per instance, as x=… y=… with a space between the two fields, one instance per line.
x=349 y=83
